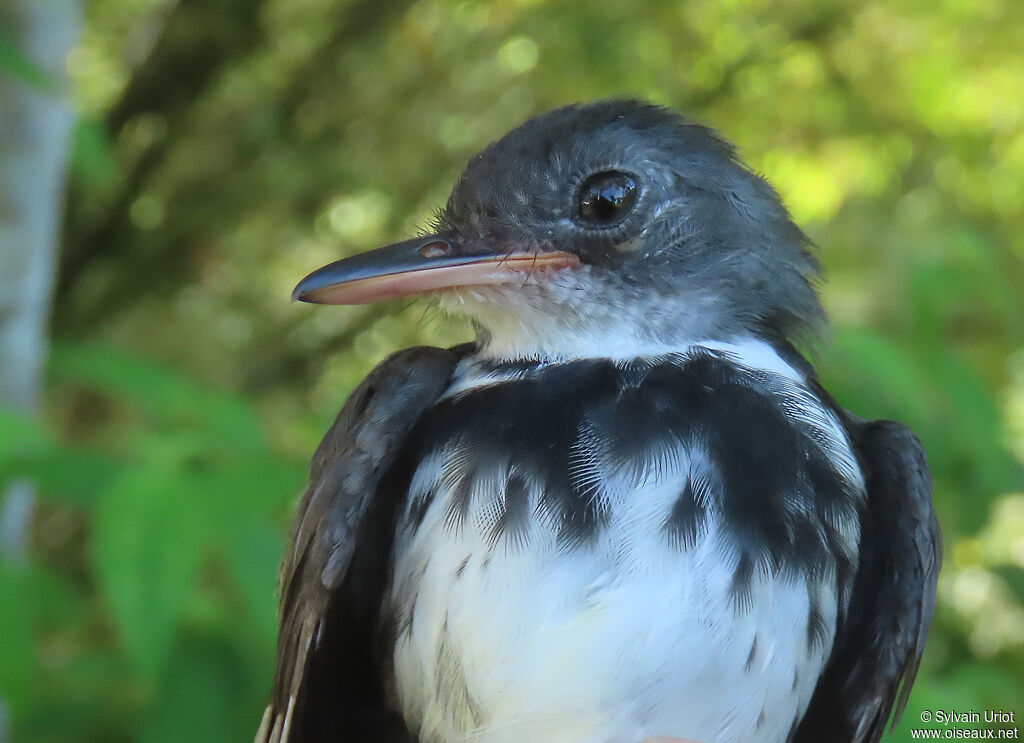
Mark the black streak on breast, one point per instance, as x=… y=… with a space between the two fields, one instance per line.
x=780 y=502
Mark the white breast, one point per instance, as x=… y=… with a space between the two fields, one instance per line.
x=622 y=639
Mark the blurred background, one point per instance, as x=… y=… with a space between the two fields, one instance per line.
x=170 y=168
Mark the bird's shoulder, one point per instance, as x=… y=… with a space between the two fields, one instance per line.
x=880 y=642
x=341 y=502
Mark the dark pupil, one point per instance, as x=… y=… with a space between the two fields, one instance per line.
x=606 y=197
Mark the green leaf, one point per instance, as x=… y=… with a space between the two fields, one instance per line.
x=19 y=433
x=19 y=65
x=975 y=457
x=223 y=420
x=874 y=377
x=253 y=552
x=202 y=697
x=92 y=158
x=74 y=476
x=17 y=648
x=82 y=699
x=67 y=473
x=147 y=543
x=261 y=486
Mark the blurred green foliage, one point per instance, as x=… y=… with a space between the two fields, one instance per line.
x=14 y=63
x=159 y=541
x=226 y=147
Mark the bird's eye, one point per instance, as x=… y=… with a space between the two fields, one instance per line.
x=605 y=198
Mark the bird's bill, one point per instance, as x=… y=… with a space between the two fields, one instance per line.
x=421 y=265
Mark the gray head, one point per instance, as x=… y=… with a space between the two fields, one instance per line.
x=602 y=228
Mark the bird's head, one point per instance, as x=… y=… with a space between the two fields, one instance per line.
x=612 y=228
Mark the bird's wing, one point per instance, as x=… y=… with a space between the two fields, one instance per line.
x=879 y=643
x=326 y=686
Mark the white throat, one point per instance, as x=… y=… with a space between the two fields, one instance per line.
x=559 y=320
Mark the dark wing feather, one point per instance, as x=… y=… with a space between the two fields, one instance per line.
x=879 y=644
x=326 y=685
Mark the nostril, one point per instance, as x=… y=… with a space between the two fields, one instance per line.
x=435 y=249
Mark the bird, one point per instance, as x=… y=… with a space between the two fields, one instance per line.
x=628 y=509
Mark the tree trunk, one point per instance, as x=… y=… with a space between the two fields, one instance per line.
x=35 y=127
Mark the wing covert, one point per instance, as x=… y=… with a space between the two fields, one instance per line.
x=323 y=686
x=879 y=644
